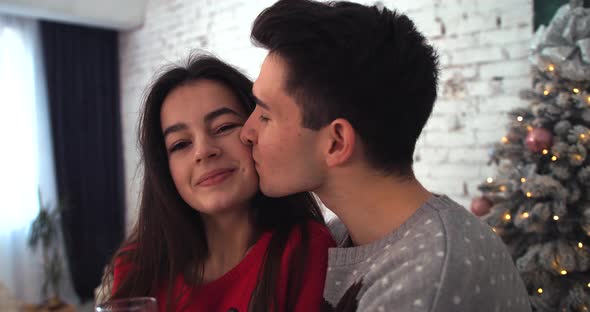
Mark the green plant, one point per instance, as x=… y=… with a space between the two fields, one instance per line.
x=45 y=232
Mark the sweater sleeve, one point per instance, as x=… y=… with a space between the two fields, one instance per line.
x=313 y=278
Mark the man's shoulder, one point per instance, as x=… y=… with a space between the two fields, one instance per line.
x=419 y=265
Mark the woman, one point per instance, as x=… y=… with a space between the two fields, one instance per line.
x=206 y=239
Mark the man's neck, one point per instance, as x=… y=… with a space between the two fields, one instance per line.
x=371 y=206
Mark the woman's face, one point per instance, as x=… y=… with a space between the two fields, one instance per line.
x=211 y=168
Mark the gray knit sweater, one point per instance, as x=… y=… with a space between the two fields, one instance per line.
x=441 y=259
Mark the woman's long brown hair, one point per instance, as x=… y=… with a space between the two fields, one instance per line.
x=166 y=224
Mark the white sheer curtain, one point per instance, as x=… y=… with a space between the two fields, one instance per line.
x=26 y=157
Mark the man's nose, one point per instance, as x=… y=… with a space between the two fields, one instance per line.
x=248 y=134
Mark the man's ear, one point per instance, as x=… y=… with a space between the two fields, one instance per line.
x=341 y=138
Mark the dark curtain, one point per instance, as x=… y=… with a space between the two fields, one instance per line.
x=82 y=70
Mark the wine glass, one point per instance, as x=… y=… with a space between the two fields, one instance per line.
x=137 y=304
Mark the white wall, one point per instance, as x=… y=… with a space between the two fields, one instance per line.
x=115 y=14
x=482 y=43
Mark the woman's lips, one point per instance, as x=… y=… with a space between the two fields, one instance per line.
x=215 y=177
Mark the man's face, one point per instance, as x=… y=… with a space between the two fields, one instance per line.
x=286 y=155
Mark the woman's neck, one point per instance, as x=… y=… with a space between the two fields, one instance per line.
x=229 y=238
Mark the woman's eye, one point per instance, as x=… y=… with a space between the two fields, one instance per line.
x=263 y=118
x=226 y=128
x=178 y=146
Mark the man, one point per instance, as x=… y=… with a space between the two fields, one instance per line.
x=341 y=100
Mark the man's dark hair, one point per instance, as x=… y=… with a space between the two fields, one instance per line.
x=368 y=65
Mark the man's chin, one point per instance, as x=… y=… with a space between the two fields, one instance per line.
x=271 y=190
x=281 y=189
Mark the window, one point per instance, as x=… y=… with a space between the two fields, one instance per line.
x=18 y=129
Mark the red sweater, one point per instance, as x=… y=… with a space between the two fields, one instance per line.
x=234 y=289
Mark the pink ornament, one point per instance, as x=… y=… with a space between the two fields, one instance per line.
x=480 y=206
x=539 y=139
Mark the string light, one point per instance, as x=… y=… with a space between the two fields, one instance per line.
x=502 y=188
x=580 y=245
x=490 y=180
x=529 y=128
x=525 y=215
x=545 y=152
x=588 y=99
x=563 y=272
x=551 y=67
x=529 y=194
x=578 y=157
x=546 y=92
x=556 y=218
x=504 y=140
x=576 y=90
x=507 y=217
x=582 y=136
x=540 y=290
x=519 y=118
x=522 y=180
x=554 y=158
x=494 y=229
x=588 y=285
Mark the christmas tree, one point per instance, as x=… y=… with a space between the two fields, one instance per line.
x=539 y=202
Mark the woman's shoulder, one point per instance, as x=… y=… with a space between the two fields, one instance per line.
x=123 y=263
x=121 y=266
x=123 y=254
x=316 y=229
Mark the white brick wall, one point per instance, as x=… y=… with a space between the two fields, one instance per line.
x=482 y=43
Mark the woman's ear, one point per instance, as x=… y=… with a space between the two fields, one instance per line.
x=341 y=138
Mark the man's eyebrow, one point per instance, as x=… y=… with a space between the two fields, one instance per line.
x=260 y=103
